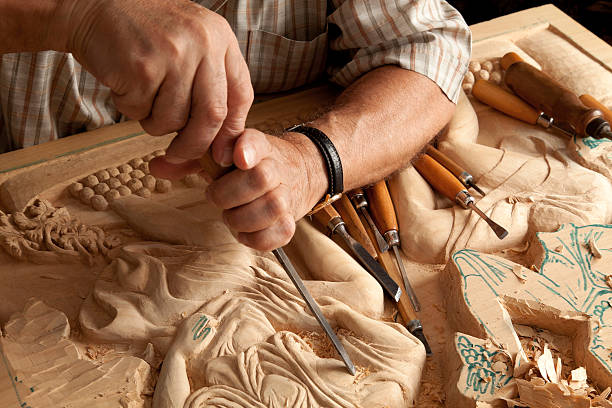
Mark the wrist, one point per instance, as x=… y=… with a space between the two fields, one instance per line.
x=314 y=168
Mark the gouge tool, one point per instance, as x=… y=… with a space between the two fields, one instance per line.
x=404 y=306
x=550 y=97
x=445 y=183
x=329 y=217
x=510 y=104
x=383 y=213
x=358 y=198
x=462 y=175
x=215 y=171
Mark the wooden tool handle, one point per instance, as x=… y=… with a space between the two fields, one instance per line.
x=591 y=102
x=444 y=160
x=438 y=177
x=386 y=260
x=325 y=215
x=210 y=166
x=509 y=59
x=381 y=207
x=548 y=96
x=502 y=100
x=353 y=224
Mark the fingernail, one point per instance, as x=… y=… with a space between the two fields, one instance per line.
x=174 y=159
x=249 y=156
x=227 y=157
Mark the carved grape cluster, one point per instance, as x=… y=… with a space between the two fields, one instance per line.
x=489 y=70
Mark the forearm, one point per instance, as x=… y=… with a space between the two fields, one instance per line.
x=30 y=25
x=378 y=125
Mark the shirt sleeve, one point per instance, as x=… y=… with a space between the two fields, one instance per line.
x=426 y=36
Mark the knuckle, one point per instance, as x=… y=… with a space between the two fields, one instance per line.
x=276 y=205
x=146 y=71
x=216 y=113
x=262 y=177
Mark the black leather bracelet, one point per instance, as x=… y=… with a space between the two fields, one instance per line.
x=330 y=155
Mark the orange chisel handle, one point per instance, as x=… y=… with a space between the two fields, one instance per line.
x=325 y=215
x=381 y=207
x=444 y=160
x=353 y=224
x=438 y=177
x=548 y=96
x=591 y=102
x=502 y=100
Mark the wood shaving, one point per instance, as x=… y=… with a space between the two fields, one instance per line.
x=609 y=280
x=593 y=248
x=518 y=272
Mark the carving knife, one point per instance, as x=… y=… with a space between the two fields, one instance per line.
x=510 y=104
x=445 y=183
x=358 y=198
x=329 y=217
x=215 y=171
x=547 y=95
x=462 y=175
x=384 y=218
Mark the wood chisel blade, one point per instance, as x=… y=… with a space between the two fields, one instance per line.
x=409 y=291
x=380 y=241
x=370 y=264
x=283 y=259
x=215 y=171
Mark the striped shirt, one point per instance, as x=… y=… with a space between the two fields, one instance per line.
x=286 y=43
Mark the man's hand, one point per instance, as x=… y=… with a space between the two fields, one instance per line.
x=171 y=64
x=277 y=182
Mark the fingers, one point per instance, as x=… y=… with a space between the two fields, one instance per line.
x=260 y=213
x=208 y=111
x=136 y=103
x=172 y=104
x=278 y=235
x=239 y=100
x=159 y=167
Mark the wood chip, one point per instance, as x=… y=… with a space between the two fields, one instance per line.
x=518 y=271
x=609 y=280
x=593 y=248
x=559 y=249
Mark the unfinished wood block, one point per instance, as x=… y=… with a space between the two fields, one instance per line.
x=568 y=297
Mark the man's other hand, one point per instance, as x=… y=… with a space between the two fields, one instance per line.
x=276 y=182
x=171 y=64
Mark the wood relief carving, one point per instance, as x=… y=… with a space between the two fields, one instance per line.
x=45 y=234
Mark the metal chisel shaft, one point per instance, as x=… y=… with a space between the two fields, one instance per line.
x=357 y=196
x=215 y=171
x=462 y=175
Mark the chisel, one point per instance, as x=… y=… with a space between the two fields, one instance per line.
x=353 y=224
x=383 y=214
x=444 y=182
x=550 y=97
x=358 y=198
x=462 y=175
x=404 y=306
x=215 y=171
x=510 y=104
x=329 y=218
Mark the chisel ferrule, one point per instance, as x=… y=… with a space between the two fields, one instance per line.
x=392 y=237
x=544 y=120
x=359 y=201
x=334 y=223
x=464 y=199
x=466 y=178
